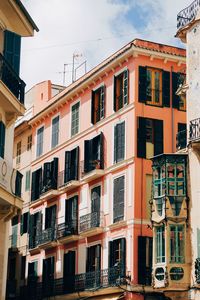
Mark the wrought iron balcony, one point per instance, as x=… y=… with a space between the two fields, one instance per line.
x=194 y=133
x=46 y=236
x=67 y=229
x=114 y=276
x=188 y=14
x=90 y=221
x=12 y=80
x=197 y=270
x=181 y=140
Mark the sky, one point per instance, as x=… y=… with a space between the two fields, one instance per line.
x=91 y=30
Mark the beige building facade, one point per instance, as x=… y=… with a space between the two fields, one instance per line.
x=15 y=22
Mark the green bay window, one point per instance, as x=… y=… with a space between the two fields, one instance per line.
x=160 y=244
x=176 y=185
x=177 y=244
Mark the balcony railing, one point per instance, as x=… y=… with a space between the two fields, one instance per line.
x=181 y=140
x=188 y=14
x=46 y=236
x=194 y=133
x=90 y=221
x=114 y=276
x=11 y=79
x=197 y=270
x=66 y=229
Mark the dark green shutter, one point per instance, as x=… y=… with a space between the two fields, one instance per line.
x=18 y=184
x=125 y=85
x=158 y=137
x=67 y=176
x=87 y=154
x=142 y=96
x=93 y=107
x=101 y=150
x=46 y=176
x=76 y=164
x=123 y=256
x=142 y=260
x=54 y=168
x=166 y=88
x=12 y=49
x=175 y=98
x=141 y=137
x=102 y=102
x=21 y=224
x=118 y=205
x=114 y=94
x=2 y=139
x=33 y=191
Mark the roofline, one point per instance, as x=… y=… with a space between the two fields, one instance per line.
x=22 y=7
x=128 y=47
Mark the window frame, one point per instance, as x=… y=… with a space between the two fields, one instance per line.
x=71 y=117
x=153 y=87
x=175 y=179
x=37 y=143
x=29 y=142
x=18 y=153
x=56 y=132
x=160 y=251
x=99 y=90
x=115 y=76
x=177 y=247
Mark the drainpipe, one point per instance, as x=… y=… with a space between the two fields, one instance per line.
x=172 y=110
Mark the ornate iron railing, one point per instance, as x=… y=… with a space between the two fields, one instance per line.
x=12 y=80
x=86 y=281
x=181 y=140
x=66 y=229
x=197 y=270
x=47 y=235
x=194 y=133
x=90 y=221
x=188 y=14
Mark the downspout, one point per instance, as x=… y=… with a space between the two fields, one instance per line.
x=172 y=110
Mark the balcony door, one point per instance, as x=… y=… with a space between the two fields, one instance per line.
x=95 y=206
x=71 y=215
x=69 y=271
x=48 y=276
x=93 y=266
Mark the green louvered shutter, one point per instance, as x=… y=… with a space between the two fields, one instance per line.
x=158 y=137
x=175 y=84
x=92 y=107
x=54 y=173
x=12 y=49
x=125 y=86
x=141 y=137
x=142 y=96
x=2 y=139
x=114 y=94
x=102 y=102
x=166 y=88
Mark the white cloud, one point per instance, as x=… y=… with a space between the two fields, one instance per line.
x=65 y=24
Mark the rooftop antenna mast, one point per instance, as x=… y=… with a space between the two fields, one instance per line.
x=75 y=55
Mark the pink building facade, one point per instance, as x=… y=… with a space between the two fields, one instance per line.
x=89 y=230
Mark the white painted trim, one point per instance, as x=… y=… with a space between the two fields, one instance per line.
x=98 y=86
x=119 y=72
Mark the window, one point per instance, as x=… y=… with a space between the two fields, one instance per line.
x=159 y=181
x=119 y=142
x=71 y=215
x=118 y=201
x=177 y=244
x=18 y=156
x=50 y=175
x=148 y=195
x=117 y=257
x=154 y=87
x=71 y=165
x=181 y=138
x=36 y=184
x=2 y=139
x=24 y=223
x=75 y=119
x=40 y=136
x=98 y=105
x=176 y=185
x=55 y=132
x=94 y=153
x=32 y=271
x=178 y=102
x=160 y=244
x=93 y=259
x=149 y=137
x=28 y=180
x=120 y=90
x=50 y=217
x=29 y=142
